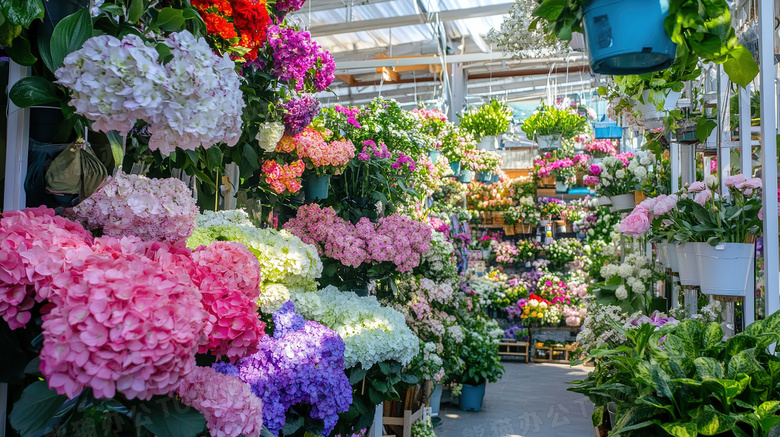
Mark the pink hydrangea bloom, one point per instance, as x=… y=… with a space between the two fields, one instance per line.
x=227 y=403
x=121 y=323
x=152 y=209
x=34 y=246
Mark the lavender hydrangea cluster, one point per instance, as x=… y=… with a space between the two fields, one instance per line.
x=303 y=363
x=295 y=55
x=531 y=280
x=298 y=113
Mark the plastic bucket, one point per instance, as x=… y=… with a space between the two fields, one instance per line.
x=725 y=269
x=484 y=176
x=436 y=400
x=663 y=253
x=627 y=36
x=561 y=187
x=455 y=166
x=493 y=178
x=607 y=130
x=434 y=155
x=471 y=397
x=688 y=263
x=623 y=202
x=465 y=176
x=489 y=142
x=316 y=187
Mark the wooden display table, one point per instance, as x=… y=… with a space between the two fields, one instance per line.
x=514 y=348
x=553 y=354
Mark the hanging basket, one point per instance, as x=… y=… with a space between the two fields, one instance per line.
x=548 y=142
x=725 y=269
x=509 y=230
x=465 y=176
x=627 y=36
x=455 y=166
x=498 y=218
x=623 y=202
x=546 y=182
x=316 y=187
x=662 y=247
x=688 y=264
x=484 y=177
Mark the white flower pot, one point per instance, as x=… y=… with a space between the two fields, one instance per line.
x=725 y=269
x=688 y=263
x=561 y=187
x=548 y=142
x=622 y=202
x=489 y=142
x=544 y=222
x=605 y=201
x=485 y=254
x=671 y=251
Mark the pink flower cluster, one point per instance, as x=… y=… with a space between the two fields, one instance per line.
x=228 y=276
x=370 y=149
x=437 y=292
x=404 y=159
x=121 y=323
x=395 y=239
x=336 y=154
x=640 y=220
x=625 y=158
x=152 y=209
x=34 y=245
x=350 y=113
x=227 y=403
x=574 y=315
x=427 y=114
x=548 y=167
x=745 y=185
x=284 y=177
x=604 y=147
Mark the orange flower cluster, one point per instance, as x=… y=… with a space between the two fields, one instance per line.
x=246 y=20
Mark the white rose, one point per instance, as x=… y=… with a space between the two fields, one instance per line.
x=645 y=161
x=640 y=173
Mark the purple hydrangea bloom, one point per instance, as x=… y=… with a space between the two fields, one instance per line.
x=298 y=113
x=303 y=363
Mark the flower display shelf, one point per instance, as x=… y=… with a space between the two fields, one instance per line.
x=400 y=415
x=546 y=182
x=607 y=130
x=552 y=354
x=514 y=348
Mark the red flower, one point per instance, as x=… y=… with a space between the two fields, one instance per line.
x=251 y=19
x=218 y=25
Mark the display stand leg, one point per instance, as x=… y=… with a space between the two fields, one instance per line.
x=691 y=303
x=377 y=427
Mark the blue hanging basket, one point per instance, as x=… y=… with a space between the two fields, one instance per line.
x=484 y=177
x=627 y=36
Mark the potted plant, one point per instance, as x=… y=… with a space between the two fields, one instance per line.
x=486 y=163
x=543 y=127
x=634 y=36
x=487 y=122
x=619 y=177
x=481 y=364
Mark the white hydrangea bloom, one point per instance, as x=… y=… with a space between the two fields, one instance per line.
x=621 y=293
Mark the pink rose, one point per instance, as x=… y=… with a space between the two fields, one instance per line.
x=753 y=183
x=635 y=224
x=734 y=180
x=595 y=169
x=703 y=197
x=647 y=205
x=663 y=206
x=697 y=187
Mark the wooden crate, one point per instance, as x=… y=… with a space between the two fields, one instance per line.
x=514 y=348
x=398 y=416
x=547 y=354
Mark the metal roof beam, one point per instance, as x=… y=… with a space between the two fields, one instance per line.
x=416 y=60
x=408 y=20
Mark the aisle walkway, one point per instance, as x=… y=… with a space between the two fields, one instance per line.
x=531 y=400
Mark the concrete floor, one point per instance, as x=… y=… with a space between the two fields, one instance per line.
x=530 y=400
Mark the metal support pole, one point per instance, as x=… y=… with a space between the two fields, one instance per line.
x=767 y=75
x=688 y=163
x=674 y=157
x=459 y=91
x=17 y=143
x=745 y=147
x=724 y=136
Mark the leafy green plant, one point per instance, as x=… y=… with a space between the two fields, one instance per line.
x=701 y=29
x=549 y=120
x=489 y=119
x=684 y=380
x=480 y=356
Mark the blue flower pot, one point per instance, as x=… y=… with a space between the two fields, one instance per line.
x=434 y=155
x=494 y=178
x=627 y=36
x=455 y=166
x=316 y=187
x=484 y=177
x=465 y=176
x=471 y=397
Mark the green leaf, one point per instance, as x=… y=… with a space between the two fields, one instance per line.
x=741 y=67
x=384 y=367
x=70 y=35
x=214 y=158
x=680 y=429
x=44 y=51
x=169 y=19
x=744 y=362
x=710 y=421
x=379 y=385
x=35 y=408
x=112 y=9
x=8 y=32
x=21 y=52
x=704 y=128
x=550 y=9
x=713 y=335
x=708 y=368
x=167 y=417
x=21 y=12
x=291 y=426
x=117 y=149
x=136 y=10
x=33 y=91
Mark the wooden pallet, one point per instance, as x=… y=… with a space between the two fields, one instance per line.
x=514 y=348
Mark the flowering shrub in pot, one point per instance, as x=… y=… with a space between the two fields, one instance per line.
x=622 y=175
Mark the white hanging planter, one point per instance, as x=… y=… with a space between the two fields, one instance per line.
x=725 y=269
x=689 y=264
x=548 y=142
x=623 y=202
x=649 y=110
x=489 y=142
